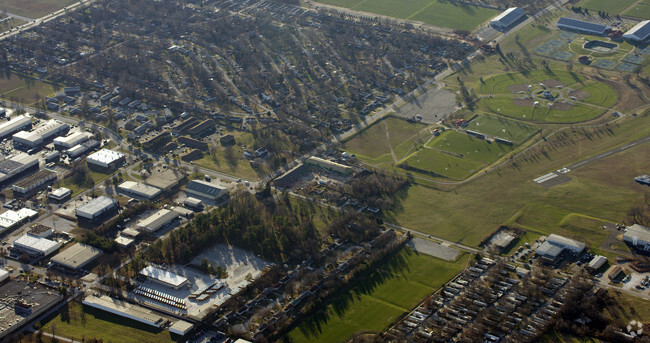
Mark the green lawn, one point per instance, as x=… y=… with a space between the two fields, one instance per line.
x=542 y=113
x=475 y=149
x=499 y=84
x=24 y=90
x=642 y=10
x=34 y=8
x=379 y=298
x=439 y=164
x=496 y=126
x=93 y=323
x=434 y=12
x=609 y=6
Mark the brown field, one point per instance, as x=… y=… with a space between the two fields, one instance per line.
x=33 y=8
x=553 y=83
x=517 y=88
x=523 y=102
x=580 y=95
x=561 y=106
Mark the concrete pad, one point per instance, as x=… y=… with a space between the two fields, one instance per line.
x=433 y=249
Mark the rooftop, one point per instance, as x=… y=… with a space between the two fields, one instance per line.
x=548 y=249
x=205 y=187
x=557 y=239
x=639 y=232
x=582 y=25
x=96 y=205
x=38 y=176
x=141 y=188
x=36 y=243
x=105 y=156
x=509 y=16
x=124 y=309
x=163 y=275
x=60 y=192
x=158 y=219
x=76 y=256
x=640 y=30
x=10 y=125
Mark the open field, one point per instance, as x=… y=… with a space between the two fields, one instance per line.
x=77 y=322
x=496 y=126
x=640 y=10
x=604 y=189
x=469 y=147
x=629 y=308
x=500 y=84
x=609 y=6
x=434 y=12
x=374 y=144
x=441 y=164
x=33 y=8
x=24 y=90
x=377 y=299
x=11 y=23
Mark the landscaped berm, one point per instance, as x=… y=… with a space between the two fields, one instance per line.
x=546 y=96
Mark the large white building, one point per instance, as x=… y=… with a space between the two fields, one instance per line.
x=639 y=33
x=35 y=245
x=576 y=25
x=638 y=236
x=164 y=277
x=506 y=19
x=124 y=309
x=19 y=123
x=11 y=219
x=67 y=142
x=76 y=256
x=105 y=159
x=96 y=208
x=4 y=275
x=17 y=164
x=138 y=190
x=555 y=245
x=41 y=134
x=157 y=220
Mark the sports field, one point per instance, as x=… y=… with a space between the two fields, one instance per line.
x=435 y=163
x=609 y=6
x=468 y=147
x=34 y=8
x=377 y=299
x=496 y=126
x=434 y=12
x=80 y=322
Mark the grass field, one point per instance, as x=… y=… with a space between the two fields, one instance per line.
x=603 y=189
x=24 y=90
x=442 y=165
x=496 y=126
x=33 y=8
x=641 y=10
x=78 y=322
x=499 y=84
x=470 y=148
x=373 y=145
x=379 y=298
x=13 y=22
x=609 y=6
x=434 y=12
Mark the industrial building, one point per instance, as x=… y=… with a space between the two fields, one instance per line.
x=40 y=135
x=164 y=277
x=597 y=262
x=82 y=148
x=165 y=177
x=16 y=165
x=157 y=220
x=76 y=256
x=124 y=242
x=67 y=142
x=19 y=123
x=585 y=27
x=138 y=190
x=105 y=159
x=639 y=33
x=508 y=18
x=35 y=246
x=207 y=190
x=40 y=230
x=12 y=219
x=96 y=208
x=4 y=275
x=60 y=194
x=329 y=165
x=124 y=309
x=637 y=236
x=193 y=203
x=28 y=186
x=181 y=328
x=555 y=245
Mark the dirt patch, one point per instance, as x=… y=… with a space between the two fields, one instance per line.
x=523 y=102
x=517 y=88
x=553 y=83
x=580 y=95
x=561 y=106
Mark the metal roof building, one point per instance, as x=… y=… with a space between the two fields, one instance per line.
x=329 y=165
x=19 y=123
x=124 y=309
x=34 y=182
x=507 y=18
x=157 y=220
x=597 y=262
x=582 y=26
x=124 y=241
x=60 y=194
x=164 y=277
x=35 y=245
x=206 y=189
x=181 y=328
x=4 y=275
x=105 y=158
x=96 y=207
x=637 y=235
x=41 y=134
x=11 y=219
x=76 y=256
x=138 y=190
x=71 y=140
x=639 y=33
x=549 y=250
x=566 y=243
x=16 y=165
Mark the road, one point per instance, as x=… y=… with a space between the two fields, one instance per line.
x=608 y=153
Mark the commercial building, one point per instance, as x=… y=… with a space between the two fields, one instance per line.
x=585 y=27
x=76 y=256
x=19 y=123
x=329 y=165
x=637 y=236
x=165 y=177
x=96 y=208
x=4 y=275
x=555 y=245
x=67 y=142
x=12 y=219
x=124 y=309
x=138 y=190
x=30 y=185
x=157 y=220
x=639 y=33
x=60 y=194
x=597 y=262
x=40 y=135
x=16 y=165
x=181 y=328
x=207 y=190
x=183 y=212
x=36 y=246
x=124 y=242
x=508 y=18
x=82 y=148
x=193 y=203
x=41 y=230
x=105 y=159
x=164 y=277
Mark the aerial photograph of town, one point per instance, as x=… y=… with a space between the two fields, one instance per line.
x=345 y=171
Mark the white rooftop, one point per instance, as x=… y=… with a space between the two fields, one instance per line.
x=163 y=275
x=105 y=156
x=37 y=243
x=60 y=192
